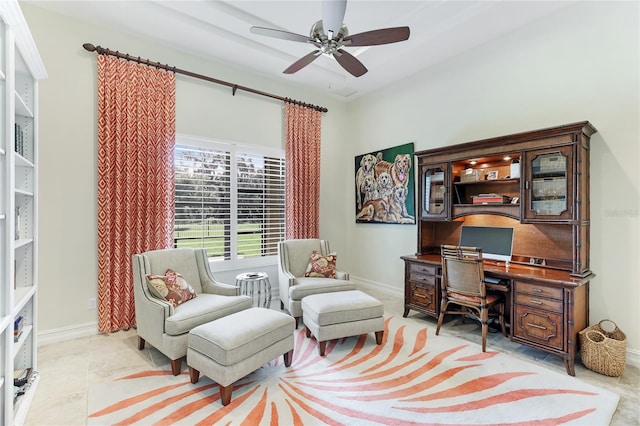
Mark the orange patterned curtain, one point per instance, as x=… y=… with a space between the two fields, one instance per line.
x=136 y=136
x=302 y=156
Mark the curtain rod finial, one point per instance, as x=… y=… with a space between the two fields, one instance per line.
x=90 y=47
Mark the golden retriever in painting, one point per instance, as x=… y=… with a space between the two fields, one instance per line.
x=370 y=188
x=374 y=211
x=367 y=164
x=398 y=170
x=397 y=205
x=384 y=185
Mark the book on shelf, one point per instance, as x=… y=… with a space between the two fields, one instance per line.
x=22 y=380
x=21 y=376
x=18 y=323
x=18 y=214
x=17 y=328
x=19 y=139
x=490 y=199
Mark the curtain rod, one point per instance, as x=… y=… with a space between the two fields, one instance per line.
x=103 y=51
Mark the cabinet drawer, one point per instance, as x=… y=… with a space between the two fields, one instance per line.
x=539 y=290
x=421 y=295
x=423 y=279
x=539 y=302
x=539 y=326
x=422 y=269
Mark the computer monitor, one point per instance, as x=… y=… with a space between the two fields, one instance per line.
x=496 y=242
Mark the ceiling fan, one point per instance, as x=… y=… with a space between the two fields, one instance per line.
x=330 y=35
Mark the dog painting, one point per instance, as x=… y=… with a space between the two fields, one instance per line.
x=385 y=186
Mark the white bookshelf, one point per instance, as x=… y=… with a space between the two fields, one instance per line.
x=20 y=70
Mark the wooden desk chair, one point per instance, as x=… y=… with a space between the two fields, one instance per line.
x=463 y=285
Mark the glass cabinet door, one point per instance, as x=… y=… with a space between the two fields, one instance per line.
x=434 y=194
x=548 y=185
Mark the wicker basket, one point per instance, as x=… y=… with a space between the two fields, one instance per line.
x=603 y=351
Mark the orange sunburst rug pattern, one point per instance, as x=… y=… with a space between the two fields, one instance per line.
x=412 y=378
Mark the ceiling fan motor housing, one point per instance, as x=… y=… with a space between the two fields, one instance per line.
x=327 y=45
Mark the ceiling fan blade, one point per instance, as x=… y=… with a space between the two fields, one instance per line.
x=350 y=63
x=333 y=16
x=302 y=62
x=377 y=37
x=285 y=35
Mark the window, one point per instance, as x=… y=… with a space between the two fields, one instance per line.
x=229 y=199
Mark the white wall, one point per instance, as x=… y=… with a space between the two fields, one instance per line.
x=580 y=64
x=68 y=155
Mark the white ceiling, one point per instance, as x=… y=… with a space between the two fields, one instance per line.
x=220 y=30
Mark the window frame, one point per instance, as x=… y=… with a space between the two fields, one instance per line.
x=233 y=148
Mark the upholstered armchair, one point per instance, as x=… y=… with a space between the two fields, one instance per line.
x=167 y=327
x=293 y=259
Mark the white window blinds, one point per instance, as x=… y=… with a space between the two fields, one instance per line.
x=229 y=200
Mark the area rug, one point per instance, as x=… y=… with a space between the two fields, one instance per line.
x=412 y=378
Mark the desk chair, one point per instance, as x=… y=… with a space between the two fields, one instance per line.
x=463 y=285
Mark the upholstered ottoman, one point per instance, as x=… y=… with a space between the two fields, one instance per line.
x=331 y=316
x=231 y=347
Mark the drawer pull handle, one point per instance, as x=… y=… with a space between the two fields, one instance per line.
x=537 y=302
x=537 y=326
x=536 y=290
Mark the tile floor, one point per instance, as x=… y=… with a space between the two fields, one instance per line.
x=67 y=368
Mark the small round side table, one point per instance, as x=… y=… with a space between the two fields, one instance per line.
x=256 y=285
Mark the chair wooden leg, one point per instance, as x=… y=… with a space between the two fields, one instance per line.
x=484 y=320
x=176 y=366
x=194 y=375
x=141 y=343
x=321 y=347
x=225 y=394
x=443 y=309
x=307 y=332
x=288 y=357
x=379 y=336
x=485 y=328
x=297 y=322
x=281 y=306
x=440 y=319
x=501 y=318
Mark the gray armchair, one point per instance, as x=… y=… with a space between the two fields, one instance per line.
x=167 y=327
x=293 y=258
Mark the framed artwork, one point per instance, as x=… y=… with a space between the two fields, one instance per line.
x=385 y=188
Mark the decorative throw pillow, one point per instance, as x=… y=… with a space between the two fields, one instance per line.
x=321 y=266
x=171 y=287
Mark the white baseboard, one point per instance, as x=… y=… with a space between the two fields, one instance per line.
x=376 y=286
x=633 y=356
x=67 y=333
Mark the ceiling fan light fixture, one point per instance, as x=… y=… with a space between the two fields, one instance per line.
x=329 y=42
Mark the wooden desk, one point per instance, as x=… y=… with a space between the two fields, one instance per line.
x=548 y=307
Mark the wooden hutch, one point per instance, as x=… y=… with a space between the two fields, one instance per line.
x=542 y=180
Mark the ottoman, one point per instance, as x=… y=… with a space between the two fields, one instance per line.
x=231 y=347
x=331 y=316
